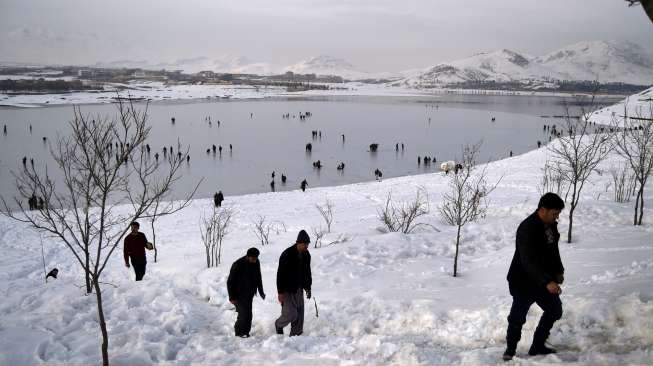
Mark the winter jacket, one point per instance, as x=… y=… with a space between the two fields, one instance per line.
x=244 y=279
x=537 y=259
x=294 y=271
x=134 y=246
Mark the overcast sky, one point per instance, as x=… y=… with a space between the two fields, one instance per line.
x=374 y=35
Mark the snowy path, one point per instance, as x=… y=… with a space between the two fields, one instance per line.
x=384 y=298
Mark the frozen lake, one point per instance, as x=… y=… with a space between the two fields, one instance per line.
x=263 y=141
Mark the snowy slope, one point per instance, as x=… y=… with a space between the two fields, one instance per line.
x=604 y=61
x=600 y=60
x=384 y=298
x=226 y=64
x=328 y=65
x=639 y=105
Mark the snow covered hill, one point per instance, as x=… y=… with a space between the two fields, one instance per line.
x=638 y=106
x=328 y=65
x=226 y=64
x=384 y=298
x=603 y=61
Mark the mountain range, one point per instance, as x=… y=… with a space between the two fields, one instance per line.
x=603 y=61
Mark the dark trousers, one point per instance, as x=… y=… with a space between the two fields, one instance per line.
x=244 y=321
x=139 y=267
x=521 y=302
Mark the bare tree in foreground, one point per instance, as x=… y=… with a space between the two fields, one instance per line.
x=326 y=211
x=466 y=200
x=576 y=154
x=634 y=142
x=214 y=229
x=103 y=165
x=163 y=205
x=402 y=217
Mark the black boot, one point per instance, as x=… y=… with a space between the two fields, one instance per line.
x=279 y=330
x=509 y=354
x=540 y=350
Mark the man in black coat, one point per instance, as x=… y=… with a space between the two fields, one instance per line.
x=293 y=277
x=218 y=198
x=535 y=275
x=243 y=282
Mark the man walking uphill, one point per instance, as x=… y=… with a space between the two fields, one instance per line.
x=243 y=281
x=535 y=275
x=134 y=248
x=293 y=277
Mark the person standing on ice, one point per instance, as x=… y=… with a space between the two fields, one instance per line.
x=535 y=275
x=243 y=282
x=293 y=278
x=218 y=198
x=134 y=248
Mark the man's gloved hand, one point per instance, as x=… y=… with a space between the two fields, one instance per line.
x=262 y=294
x=308 y=294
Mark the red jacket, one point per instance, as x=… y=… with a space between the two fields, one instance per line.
x=134 y=246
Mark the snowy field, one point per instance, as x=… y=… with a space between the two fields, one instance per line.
x=384 y=298
x=159 y=91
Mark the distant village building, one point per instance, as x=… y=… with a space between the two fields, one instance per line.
x=85 y=73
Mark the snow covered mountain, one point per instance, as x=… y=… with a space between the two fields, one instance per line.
x=605 y=61
x=599 y=60
x=328 y=65
x=230 y=64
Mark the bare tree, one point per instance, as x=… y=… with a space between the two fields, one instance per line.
x=164 y=205
x=577 y=154
x=552 y=180
x=466 y=200
x=318 y=233
x=262 y=229
x=80 y=208
x=214 y=229
x=624 y=182
x=634 y=142
x=327 y=213
x=402 y=216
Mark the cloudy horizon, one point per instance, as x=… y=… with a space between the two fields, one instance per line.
x=374 y=36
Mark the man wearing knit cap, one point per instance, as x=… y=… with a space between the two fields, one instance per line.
x=244 y=279
x=293 y=277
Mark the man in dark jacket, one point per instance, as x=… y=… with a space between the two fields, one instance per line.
x=218 y=198
x=243 y=282
x=134 y=248
x=535 y=275
x=293 y=277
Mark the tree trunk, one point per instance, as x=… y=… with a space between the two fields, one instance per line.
x=641 y=205
x=455 y=258
x=103 y=325
x=571 y=214
x=636 y=207
x=154 y=240
x=219 y=252
x=89 y=289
